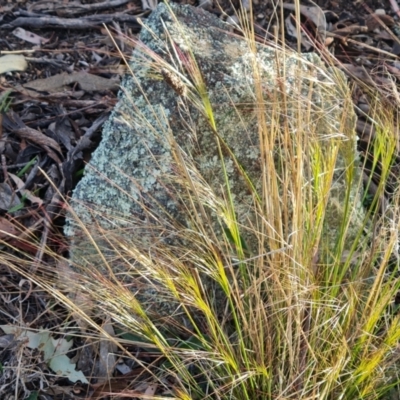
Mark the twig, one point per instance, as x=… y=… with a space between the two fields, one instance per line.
x=71 y=23
x=73 y=8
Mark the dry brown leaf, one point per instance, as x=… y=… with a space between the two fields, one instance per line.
x=27 y=193
x=107 y=350
x=313 y=13
x=86 y=81
x=375 y=21
x=149 y=4
x=14 y=237
x=13 y=122
x=358 y=72
x=81 y=301
x=29 y=36
x=150 y=391
x=7 y=229
x=291 y=29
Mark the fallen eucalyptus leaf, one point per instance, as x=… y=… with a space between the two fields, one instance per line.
x=54 y=350
x=28 y=36
x=12 y=62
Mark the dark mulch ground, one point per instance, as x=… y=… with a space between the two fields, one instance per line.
x=62 y=83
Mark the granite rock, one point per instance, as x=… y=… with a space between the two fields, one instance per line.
x=133 y=189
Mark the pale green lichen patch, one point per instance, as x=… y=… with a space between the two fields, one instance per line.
x=132 y=185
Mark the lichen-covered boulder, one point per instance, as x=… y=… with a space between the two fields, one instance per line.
x=132 y=188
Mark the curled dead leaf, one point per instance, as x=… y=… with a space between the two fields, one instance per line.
x=13 y=123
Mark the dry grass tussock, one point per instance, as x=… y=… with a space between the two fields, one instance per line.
x=294 y=324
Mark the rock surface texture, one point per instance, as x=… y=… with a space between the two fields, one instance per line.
x=131 y=186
